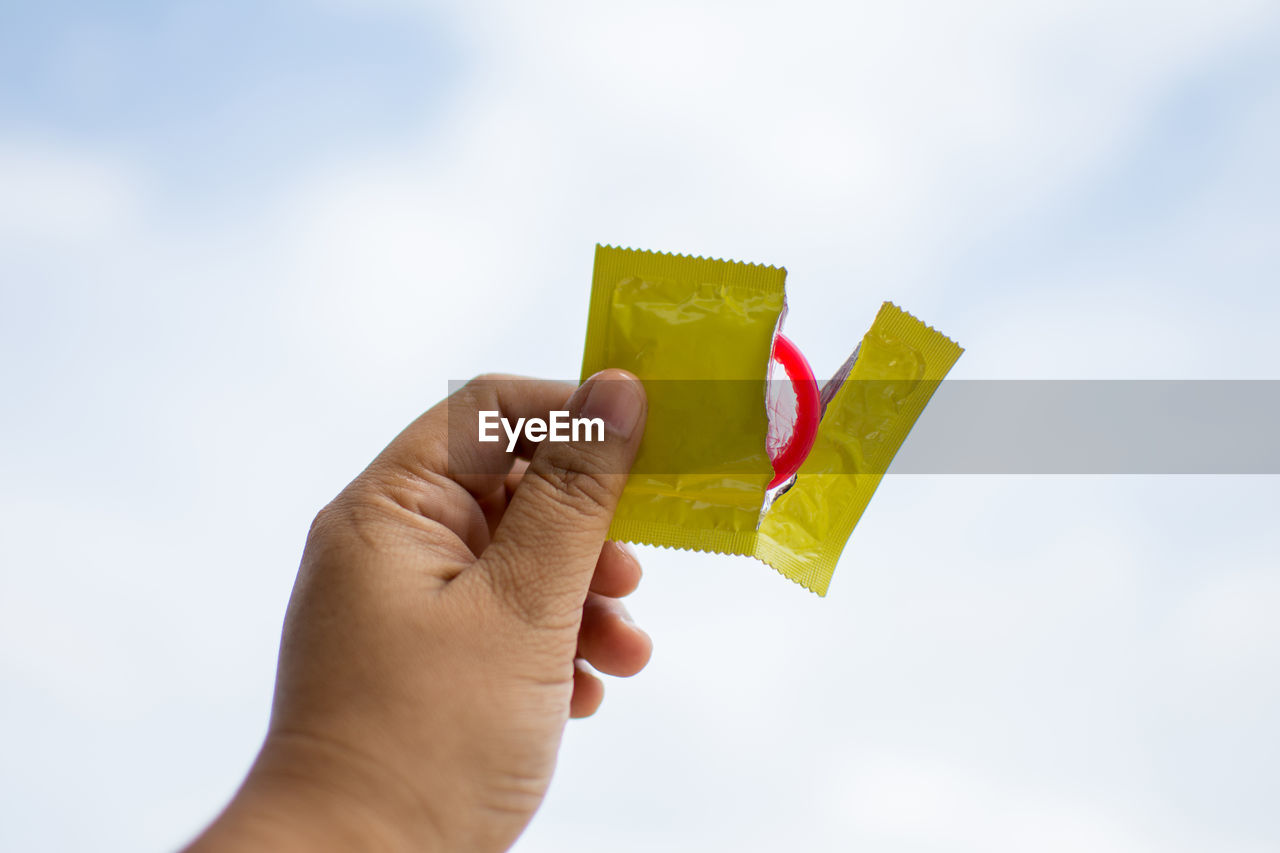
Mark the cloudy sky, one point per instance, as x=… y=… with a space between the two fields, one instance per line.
x=242 y=243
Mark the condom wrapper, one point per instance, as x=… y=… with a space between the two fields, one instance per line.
x=698 y=333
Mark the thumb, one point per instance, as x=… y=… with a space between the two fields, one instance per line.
x=544 y=551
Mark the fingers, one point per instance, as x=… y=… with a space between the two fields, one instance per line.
x=609 y=640
x=588 y=692
x=445 y=440
x=617 y=571
x=545 y=549
x=438 y=468
x=495 y=504
x=514 y=476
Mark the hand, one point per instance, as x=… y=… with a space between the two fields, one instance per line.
x=433 y=645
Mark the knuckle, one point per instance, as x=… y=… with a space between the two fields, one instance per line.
x=328 y=521
x=349 y=520
x=484 y=383
x=476 y=389
x=585 y=491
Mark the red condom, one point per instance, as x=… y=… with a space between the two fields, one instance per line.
x=789 y=456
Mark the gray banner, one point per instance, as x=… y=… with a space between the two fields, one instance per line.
x=1047 y=427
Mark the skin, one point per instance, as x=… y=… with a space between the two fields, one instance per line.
x=438 y=633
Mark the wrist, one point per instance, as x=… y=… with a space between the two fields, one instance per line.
x=307 y=794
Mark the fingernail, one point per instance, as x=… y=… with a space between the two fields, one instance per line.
x=617 y=399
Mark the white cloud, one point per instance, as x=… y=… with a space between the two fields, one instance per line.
x=57 y=194
x=1227 y=627
x=865 y=147
x=896 y=803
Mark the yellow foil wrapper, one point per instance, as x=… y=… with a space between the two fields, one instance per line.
x=699 y=332
x=897 y=368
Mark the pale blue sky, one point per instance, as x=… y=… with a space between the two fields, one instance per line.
x=241 y=244
x=221 y=98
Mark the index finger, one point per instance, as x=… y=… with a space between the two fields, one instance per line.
x=444 y=442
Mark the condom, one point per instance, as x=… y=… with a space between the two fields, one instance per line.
x=703 y=336
x=871 y=405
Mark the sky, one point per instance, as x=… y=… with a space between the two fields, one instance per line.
x=242 y=244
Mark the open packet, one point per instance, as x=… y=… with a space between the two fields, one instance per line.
x=703 y=336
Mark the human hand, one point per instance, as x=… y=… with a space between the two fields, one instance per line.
x=433 y=644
